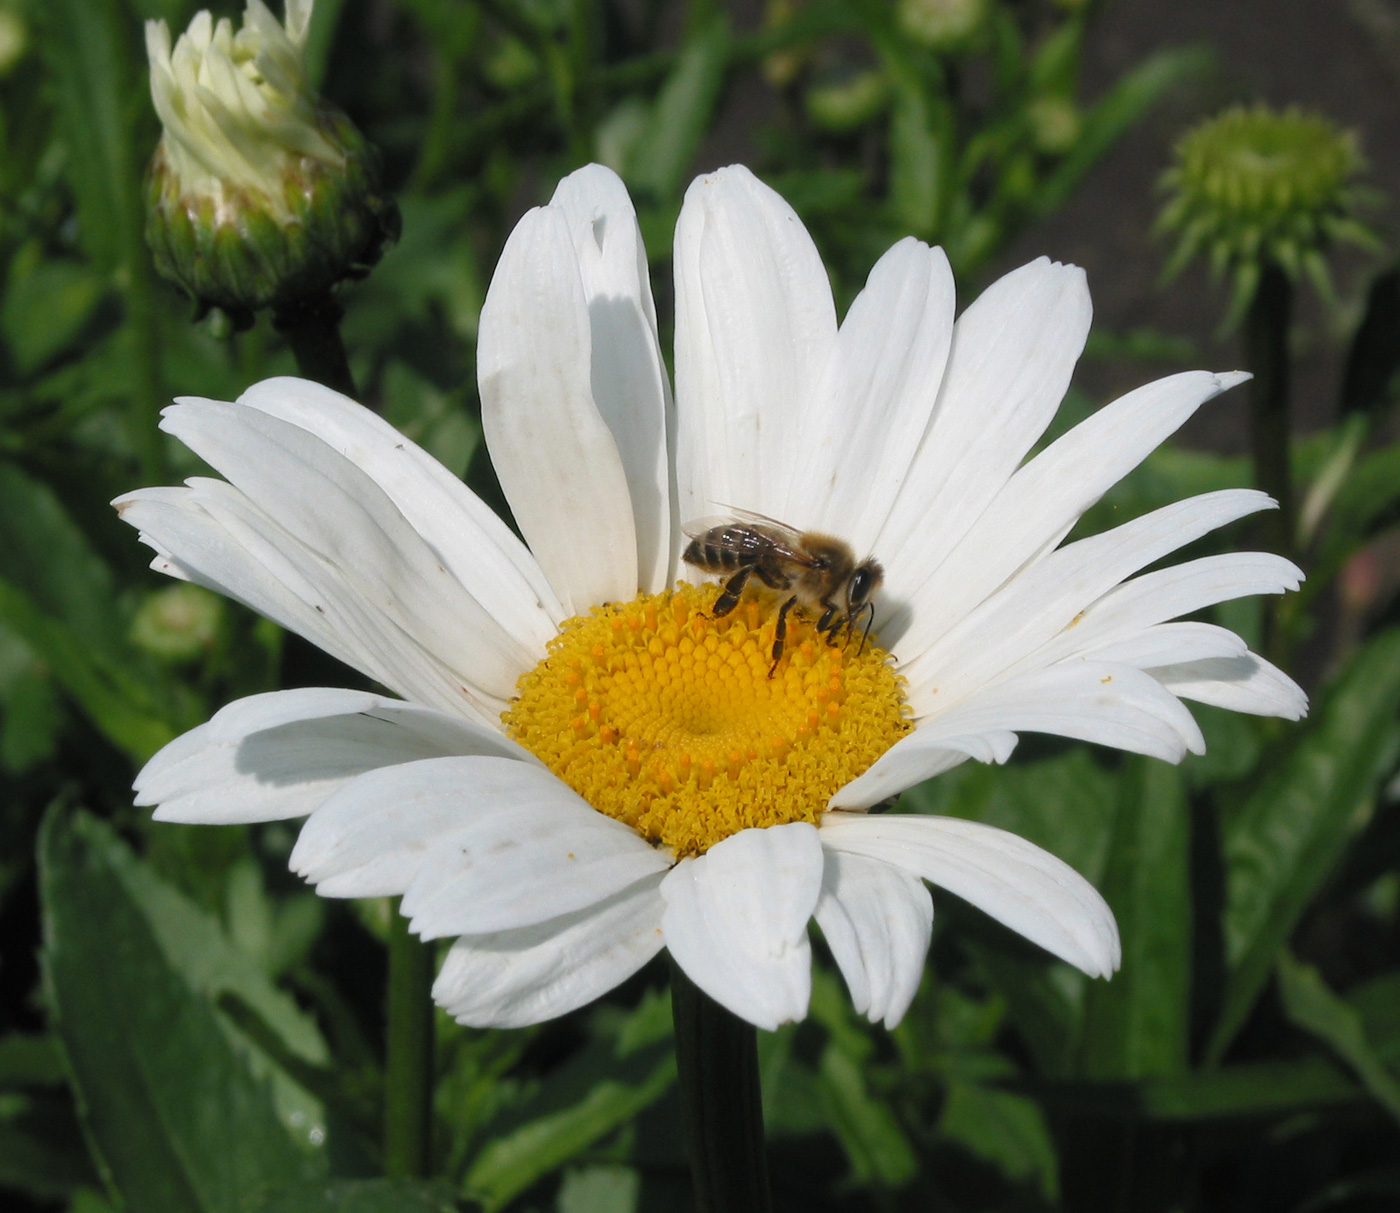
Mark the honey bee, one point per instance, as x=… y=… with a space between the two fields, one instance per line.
x=816 y=572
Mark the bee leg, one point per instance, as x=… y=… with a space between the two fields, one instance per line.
x=869 y=610
x=824 y=624
x=733 y=588
x=780 y=634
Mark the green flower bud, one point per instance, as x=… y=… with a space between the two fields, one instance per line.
x=941 y=25
x=261 y=193
x=845 y=104
x=14 y=39
x=1252 y=187
x=178 y=623
x=1055 y=124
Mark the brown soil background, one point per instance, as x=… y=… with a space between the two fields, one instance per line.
x=1339 y=57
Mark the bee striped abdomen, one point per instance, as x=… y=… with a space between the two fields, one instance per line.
x=723 y=549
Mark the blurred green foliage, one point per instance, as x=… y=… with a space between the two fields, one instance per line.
x=204 y=1033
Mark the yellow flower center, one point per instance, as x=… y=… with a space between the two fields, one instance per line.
x=664 y=717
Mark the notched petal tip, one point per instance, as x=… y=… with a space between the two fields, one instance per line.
x=1232 y=379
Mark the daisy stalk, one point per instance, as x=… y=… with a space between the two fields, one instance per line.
x=1265 y=194
x=578 y=760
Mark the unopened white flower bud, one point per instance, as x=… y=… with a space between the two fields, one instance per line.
x=260 y=193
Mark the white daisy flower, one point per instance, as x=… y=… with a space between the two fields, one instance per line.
x=586 y=764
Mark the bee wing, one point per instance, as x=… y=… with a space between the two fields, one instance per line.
x=746 y=533
x=765 y=521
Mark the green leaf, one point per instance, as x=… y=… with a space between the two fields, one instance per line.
x=45 y=309
x=1378 y=1003
x=89 y=46
x=875 y=1144
x=178 y=1120
x=1006 y=1129
x=1363 y=501
x=46 y=555
x=195 y=945
x=1044 y=1003
x=1065 y=804
x=1054 y=67
x=1310 y=1004
x=27 y=1060
x=432 y=270
x=41 y=1144
x=1137 y=1024
x=360 y=1196
x=599 y=1190
x=115 y=701
x=792 y=1106
x=658 y=161
x=1282 y=843
x=56 y=595
x=32 y=716
x=918 y=154
x=438 y=422
x=1258 y=1089
x=325 y=19
x=595 y=1094
x=1264 y=1089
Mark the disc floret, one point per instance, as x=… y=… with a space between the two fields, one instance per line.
x=666 y=718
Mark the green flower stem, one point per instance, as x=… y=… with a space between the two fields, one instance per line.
x=1270 y=422
x=722 y=1101
x=408 y=1068
x=312 y=328
x=149 y=397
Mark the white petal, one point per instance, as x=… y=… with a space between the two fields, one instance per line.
x=470 y=841
x=553 y=453
x=1170 y=644
x=1167 y=593
x=372 y=836
x=1014 y=623
x=510 y=979
x=349 y=542
x=630 y=384
x=934 y=747
x=481 y=551
x=279 y=755
x=736 y=921
x=877 y=397
x=217 y=529
x=755 y=324
x=192 y=546
x=1014 y=881
x=1013 y=353
x=1099 y=701
x=1244 y=683
x=877 y=921
x=1045 y=498
x=1103 y=702
x=548 y=855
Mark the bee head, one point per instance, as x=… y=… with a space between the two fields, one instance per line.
x=863 y=584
